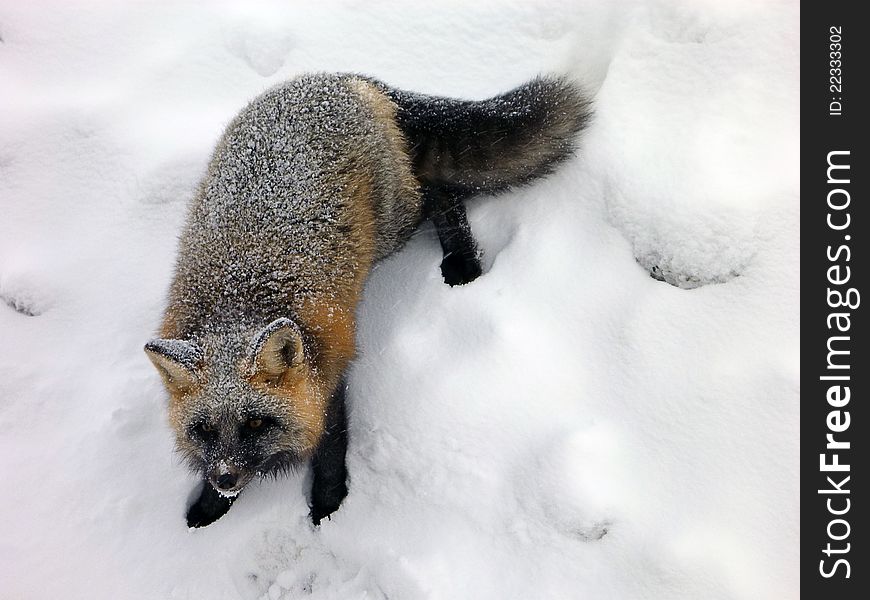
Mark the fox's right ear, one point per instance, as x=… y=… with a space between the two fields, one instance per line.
x=176 y=361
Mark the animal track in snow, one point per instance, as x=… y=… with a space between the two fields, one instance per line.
x=590 y=533
x=21 y=298
x=20 y=306
x=662 y=272
x=25 y=288
x=262 y=47
x=662 y=269
x=314 y=570
x=574 y=504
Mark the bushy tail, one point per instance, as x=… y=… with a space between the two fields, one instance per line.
x=490 y=145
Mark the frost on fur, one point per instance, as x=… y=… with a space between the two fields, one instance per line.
x=176 y=361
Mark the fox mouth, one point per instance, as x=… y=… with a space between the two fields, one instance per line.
x=229 y=488
x=228 y=480
x=232 y=493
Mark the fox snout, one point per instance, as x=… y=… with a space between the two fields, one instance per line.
x=228 y=478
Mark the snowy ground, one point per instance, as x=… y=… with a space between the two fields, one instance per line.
x=564 y=427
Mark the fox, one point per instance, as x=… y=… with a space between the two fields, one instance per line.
x=310 y=185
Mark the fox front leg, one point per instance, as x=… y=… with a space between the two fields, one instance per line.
x=329 y=485
x=210 y=507
x=461 y=263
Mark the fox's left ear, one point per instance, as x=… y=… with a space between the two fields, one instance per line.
x=277 y=348
x=177 y=362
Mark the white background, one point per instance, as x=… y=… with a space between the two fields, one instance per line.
x=498 y=429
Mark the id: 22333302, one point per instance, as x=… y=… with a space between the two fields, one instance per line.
x=835 y=46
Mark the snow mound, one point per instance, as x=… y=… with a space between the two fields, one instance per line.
x=695 y=134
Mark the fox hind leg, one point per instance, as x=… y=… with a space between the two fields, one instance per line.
x=444 y=207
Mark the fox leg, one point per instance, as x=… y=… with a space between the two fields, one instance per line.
x=461 y=262
x=210 y=507
x=328 y=464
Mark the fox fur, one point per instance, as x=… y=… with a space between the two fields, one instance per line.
x=311 y=184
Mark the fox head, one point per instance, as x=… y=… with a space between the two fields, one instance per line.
x=242 y=409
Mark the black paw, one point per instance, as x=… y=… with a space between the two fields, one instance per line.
x=318 y=513
x=210 y=507
x=198 y=517
x=322 y=511
x=459 y=269
x=326 y=502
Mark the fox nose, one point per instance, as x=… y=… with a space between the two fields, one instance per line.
x=226 y=481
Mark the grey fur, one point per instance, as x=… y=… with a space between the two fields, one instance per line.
x=268 y=226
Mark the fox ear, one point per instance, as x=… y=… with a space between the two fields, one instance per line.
x=277 y=348
x=176 y=361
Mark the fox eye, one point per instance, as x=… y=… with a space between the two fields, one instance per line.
x=255 y=426
x=203 y=431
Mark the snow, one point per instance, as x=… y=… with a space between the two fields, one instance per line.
x=564 y=427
